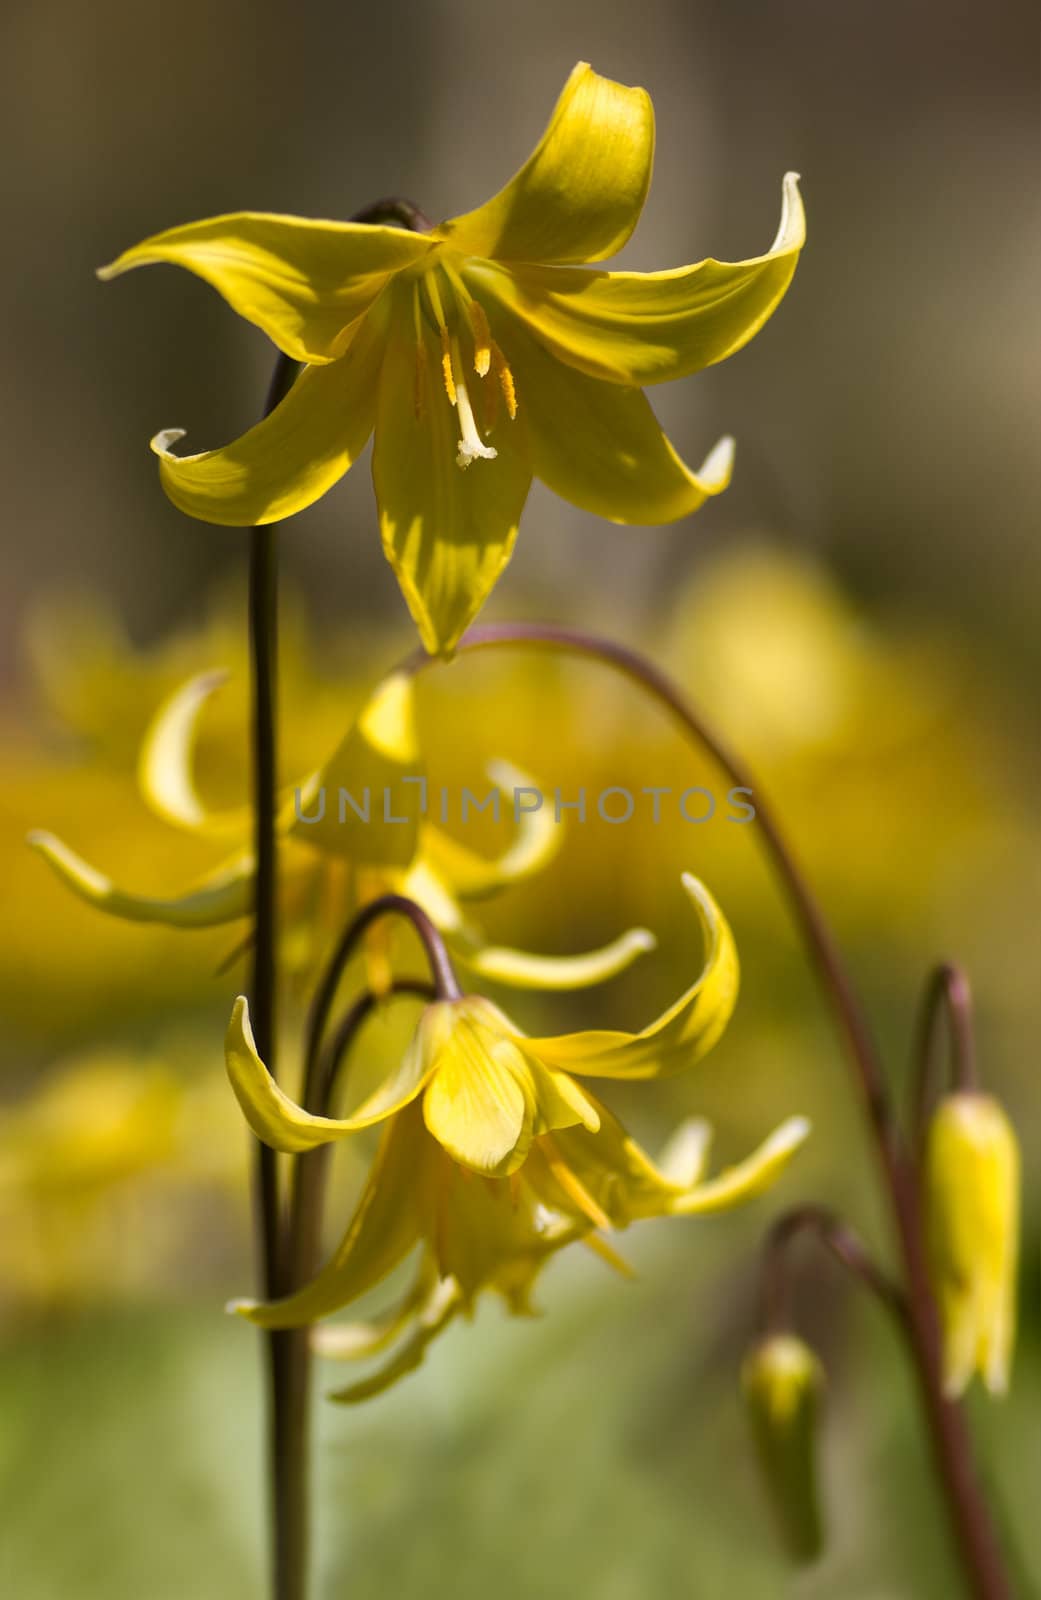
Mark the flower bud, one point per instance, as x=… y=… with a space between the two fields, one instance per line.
x=782 y=1381
x=971 y=1199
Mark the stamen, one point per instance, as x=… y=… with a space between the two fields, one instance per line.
x=482 y=338
x=601 y=1248
x=446 y=366
x=573 y=1186
x=471 y=444
x=505 y=377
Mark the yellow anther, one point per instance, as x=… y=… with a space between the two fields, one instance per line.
x=446 y=365
x=482 y=338
x=505 y=377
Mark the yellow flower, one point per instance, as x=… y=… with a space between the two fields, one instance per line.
x=493 y=1158
x=483 y=341
x=489 y=1090
x=971 y=1194
x=373 y=764
x=782 y=1381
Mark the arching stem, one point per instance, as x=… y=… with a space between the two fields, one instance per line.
x=841 y=1241
x=981 y=1557
x=947 y=993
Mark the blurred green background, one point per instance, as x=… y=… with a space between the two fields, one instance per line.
x=858 y=612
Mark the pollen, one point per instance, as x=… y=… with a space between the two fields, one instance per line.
x=505 y=377
x=446 y=367
x=482 y=338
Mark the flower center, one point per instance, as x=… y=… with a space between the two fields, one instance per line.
x=442 y=298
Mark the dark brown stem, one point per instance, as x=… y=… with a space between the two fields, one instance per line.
x=287 y=1432
x=981 y=1556
x=947 y=993
x=387 y=905
x=309 y=1172
x=288 y=1350
x=844 y=1244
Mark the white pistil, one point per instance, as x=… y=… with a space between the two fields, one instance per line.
x=471 y=445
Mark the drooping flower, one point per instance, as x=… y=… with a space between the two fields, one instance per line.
x=481 y=353
x=493 y=1158
x=352 y=843
x=971 y=1197
x=488 y=1090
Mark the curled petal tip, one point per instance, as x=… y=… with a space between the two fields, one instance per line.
x=240 y=1308
x=718 y=466
x=164 y=439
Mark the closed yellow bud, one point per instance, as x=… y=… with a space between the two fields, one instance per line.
x=782 y=1381
x=971 y=1198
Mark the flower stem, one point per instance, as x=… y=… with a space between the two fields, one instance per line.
x=281 y=1265
x=844 y=1244
x=287 y=1402
x=947 y=992
x=982 y=1561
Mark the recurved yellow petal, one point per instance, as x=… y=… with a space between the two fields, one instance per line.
x=224 y=896
x=535 y=843
x=388 y=1221
x=444 y=1302
x=304 y=283
x=365 y=803
x=165 y=766
x=290 y=459
x=279 y=1121
x=579 y=195
x=649 y=327
x=523 y=969
x=599 y=444
x=747 y=1178
x=448 y=531
x=681 y=1035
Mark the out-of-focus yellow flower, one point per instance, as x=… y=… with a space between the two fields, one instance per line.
x=368 y=839
x=494 y=1157
x=484 y=341
x=99 y=1170
x=971 y=1195
x=782 y=1381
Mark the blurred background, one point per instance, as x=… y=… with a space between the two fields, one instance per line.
x=858 y=613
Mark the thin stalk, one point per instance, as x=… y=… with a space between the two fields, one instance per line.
x=947 y=993
x=288 y=1353
x=841 y=1241
x=982 y=1561
x=310 y=1170
x=286 y=1449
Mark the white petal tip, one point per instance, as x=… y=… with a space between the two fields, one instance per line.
x=240 y=1308
x=165 y=438
x=718 y=466
x=791 y=1134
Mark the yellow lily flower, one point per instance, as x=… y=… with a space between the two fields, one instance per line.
x=484 y=344
x=493 y=1158
x=408 y=855
x=971 y=1194
x=488 y=1090
x=496 y=1235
